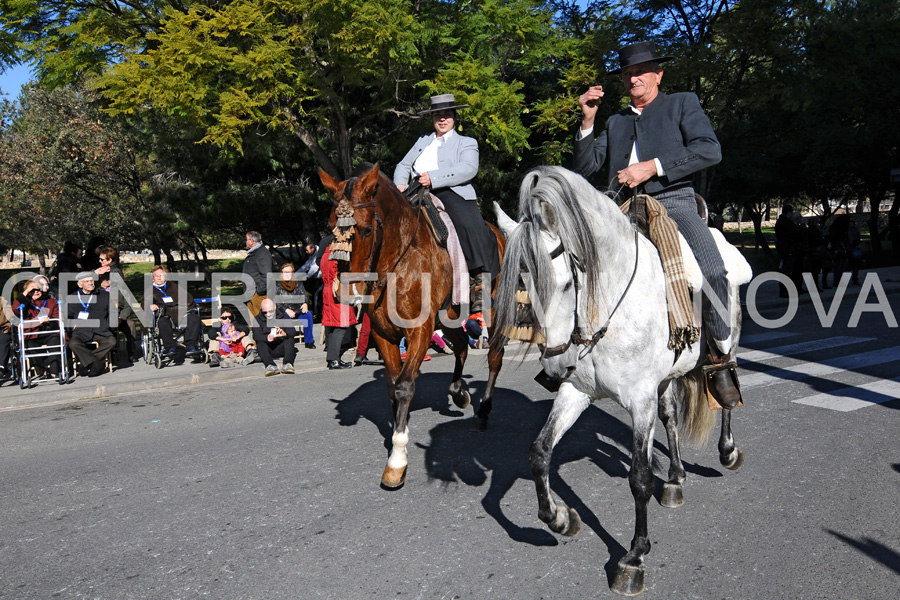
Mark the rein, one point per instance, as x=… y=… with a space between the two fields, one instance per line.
x=577 y=338
x=376 y=251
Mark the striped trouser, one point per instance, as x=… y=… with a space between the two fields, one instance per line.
x=682 y=207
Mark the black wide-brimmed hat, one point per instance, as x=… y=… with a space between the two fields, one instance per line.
x=443 y=102
x=637 y=53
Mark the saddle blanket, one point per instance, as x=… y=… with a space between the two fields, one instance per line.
x=460 y=294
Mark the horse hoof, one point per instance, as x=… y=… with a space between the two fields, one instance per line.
x=733 y=461
x=479 y=424
x=393 y=478
x=629 y=580
x=566 y=522
x=461 y=399
x=672 y=495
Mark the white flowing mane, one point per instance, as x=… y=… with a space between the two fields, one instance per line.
x=589 y=225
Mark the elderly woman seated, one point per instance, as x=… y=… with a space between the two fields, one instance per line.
x=38 y=311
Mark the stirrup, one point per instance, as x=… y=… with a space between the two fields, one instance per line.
x=723 y=390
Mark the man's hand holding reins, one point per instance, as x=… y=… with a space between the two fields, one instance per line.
x=637 y=173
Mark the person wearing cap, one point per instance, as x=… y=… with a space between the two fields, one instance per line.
x=655 y=146
x=87 y=315
x=447 y=162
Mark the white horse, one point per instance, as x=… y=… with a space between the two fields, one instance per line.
x=598 y=292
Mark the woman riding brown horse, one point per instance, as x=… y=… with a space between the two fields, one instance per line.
x=394 y=265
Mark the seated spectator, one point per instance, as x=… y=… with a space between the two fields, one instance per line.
x=273 y=341
x=336 y=318
x=48 y=290
x=231 y=349
x=86 y=305
x=5 y=337
x=37 y=311
x=243 y=333
x=167 y=300
x=298 y=308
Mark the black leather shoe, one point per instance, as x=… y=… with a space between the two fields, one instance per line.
x=338 y=364
x=96 y=369
x=310 y=346
x=359 y=360
x=721 y=386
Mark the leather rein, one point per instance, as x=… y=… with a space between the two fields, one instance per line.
x=576 y=265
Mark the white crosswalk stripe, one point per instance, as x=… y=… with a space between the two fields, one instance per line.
x=836 y=369
x=791 y=350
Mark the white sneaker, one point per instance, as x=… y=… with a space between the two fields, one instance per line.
x=271 y=370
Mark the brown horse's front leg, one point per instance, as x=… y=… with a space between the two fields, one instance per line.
x=403 y=391
x=457 y=392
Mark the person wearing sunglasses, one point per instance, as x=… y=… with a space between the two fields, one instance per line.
x=38 y=312
x=243 y=334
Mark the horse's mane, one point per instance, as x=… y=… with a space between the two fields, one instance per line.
x=578 y=210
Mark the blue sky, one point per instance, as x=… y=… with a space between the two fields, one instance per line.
x=12 y=80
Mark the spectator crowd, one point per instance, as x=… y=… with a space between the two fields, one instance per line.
x=80 y=311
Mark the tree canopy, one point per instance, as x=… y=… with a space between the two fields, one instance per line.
x=178 y=124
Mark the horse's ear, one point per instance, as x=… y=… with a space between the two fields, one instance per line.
x=369 y=180
x=504 y=221
x=328 y=181
x=549 y=221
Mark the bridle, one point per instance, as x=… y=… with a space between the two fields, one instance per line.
x=375 y=254
x=576 y=266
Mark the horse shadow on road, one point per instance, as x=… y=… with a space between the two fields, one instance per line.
x=499 y=457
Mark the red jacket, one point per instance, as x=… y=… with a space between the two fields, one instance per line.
x=333 y=313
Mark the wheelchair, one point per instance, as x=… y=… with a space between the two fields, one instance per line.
x=154 y=349
x=23 y=354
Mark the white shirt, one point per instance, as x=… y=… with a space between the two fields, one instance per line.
x=428 y=160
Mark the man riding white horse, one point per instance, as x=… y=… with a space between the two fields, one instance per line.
x=655 y=146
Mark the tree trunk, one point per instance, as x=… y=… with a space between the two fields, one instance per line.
x=157 y=256
x=170 y=260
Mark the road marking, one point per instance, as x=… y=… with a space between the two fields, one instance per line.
x=856 y=397
x=766 y=337
x=826 y=369
x=792 y=349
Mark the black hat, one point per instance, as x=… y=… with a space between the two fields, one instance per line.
x=443 y=102
x=637 y=53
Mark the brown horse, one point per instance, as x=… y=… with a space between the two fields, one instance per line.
x=406 y=288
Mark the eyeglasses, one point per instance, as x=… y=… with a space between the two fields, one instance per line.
x=226 y=318
x=35 y=291
x=268 y=312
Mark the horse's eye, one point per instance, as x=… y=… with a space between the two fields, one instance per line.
x=365 y=232
x=568 y=286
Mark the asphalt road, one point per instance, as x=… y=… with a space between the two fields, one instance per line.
x=269 y=489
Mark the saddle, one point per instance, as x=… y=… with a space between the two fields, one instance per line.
x=420 y=197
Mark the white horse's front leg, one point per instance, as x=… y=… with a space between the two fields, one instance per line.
x=567 y=407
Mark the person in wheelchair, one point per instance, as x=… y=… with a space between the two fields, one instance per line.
x=168 y=300
x=83 y=307
x=37 y=309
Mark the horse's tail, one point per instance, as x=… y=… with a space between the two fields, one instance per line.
x=695 y=420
